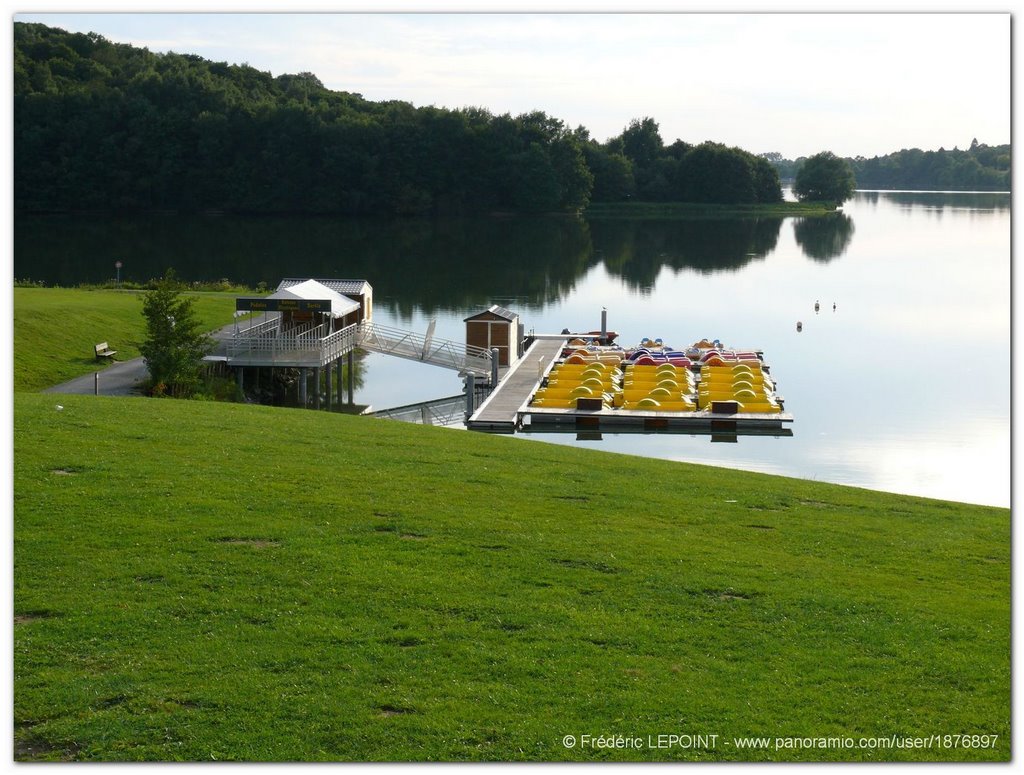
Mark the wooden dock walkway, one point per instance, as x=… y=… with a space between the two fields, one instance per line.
x=500 y=411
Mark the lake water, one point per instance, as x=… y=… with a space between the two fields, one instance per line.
x=903 y=387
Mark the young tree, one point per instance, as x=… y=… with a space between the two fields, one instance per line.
x=175 y=344
x=825 y=177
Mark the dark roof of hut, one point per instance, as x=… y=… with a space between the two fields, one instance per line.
x=494 y=309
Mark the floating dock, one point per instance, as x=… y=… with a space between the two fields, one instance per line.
x=500 y=412
x=649 y=389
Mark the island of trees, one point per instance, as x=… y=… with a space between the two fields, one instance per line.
x=107 y=126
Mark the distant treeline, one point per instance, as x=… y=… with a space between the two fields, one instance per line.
x=106 y=126
x=980 y=168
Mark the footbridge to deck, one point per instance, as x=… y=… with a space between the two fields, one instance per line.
x=267 y=344
x=426 y=348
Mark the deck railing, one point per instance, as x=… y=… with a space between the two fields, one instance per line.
x=339 y=343
x=316 y=343
x=260 y=328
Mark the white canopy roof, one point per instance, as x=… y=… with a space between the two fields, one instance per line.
x=311 y=290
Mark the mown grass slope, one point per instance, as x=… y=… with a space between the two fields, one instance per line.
x=199 y=581
x=56 y=329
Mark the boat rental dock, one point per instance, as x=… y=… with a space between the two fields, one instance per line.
x=571 y=382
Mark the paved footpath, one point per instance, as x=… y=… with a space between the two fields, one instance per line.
x=117 y=379
x=121 y=378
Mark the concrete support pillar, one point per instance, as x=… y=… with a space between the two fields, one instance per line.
x=316 y=387
x=604 y=325
x=495 y=357
x=302 y=387
x=351 y=379
x=240 y=379
x=328 y=386
x=341 y=386
x=470 y=395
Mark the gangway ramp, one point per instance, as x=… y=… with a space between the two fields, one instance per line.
x=500 y=411
x=463 y=358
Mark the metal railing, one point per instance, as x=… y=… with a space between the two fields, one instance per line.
x=339 y=343
x=318 y=343
x=439 y=352
x=260 y=328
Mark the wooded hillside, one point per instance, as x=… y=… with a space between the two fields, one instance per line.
x=102 y=125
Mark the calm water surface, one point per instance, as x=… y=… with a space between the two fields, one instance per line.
x=904 y=387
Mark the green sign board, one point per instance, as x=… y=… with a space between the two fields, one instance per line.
x=282 y=305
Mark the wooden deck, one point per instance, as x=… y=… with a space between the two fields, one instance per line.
x=500 y=412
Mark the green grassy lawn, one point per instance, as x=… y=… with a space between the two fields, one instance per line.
x=198 y=581
x=55 y=329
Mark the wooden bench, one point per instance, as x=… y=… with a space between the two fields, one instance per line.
x=103 y=351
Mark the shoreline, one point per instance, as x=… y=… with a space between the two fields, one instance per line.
x=704 y=210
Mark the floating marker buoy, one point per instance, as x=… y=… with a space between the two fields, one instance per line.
x=816 y=306
x=799 y=326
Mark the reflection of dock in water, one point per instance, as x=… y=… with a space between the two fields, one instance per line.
x=443 y=412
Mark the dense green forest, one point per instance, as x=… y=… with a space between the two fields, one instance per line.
x=980 y=168
x=106 y=126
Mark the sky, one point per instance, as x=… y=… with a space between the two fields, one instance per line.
x=856 y=84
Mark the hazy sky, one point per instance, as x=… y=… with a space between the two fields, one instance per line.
x=855 y=84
